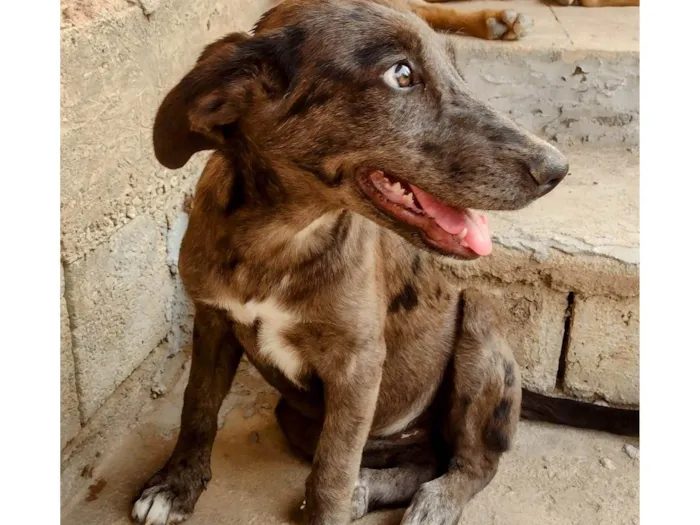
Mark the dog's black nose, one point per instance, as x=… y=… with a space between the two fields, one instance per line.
x=549 y=169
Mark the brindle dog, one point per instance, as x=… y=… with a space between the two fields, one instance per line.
x=349 y=153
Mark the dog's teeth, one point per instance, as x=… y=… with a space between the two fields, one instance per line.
x=461 y=235
x=397 y=188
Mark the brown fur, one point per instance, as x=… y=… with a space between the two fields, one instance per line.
x=601 y=3
x=381 y=360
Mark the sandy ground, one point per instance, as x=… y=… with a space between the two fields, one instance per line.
x=553 y=476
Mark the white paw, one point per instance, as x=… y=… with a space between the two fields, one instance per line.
x=155 y=507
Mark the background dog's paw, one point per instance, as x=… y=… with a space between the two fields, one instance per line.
x=159 y=506
x=508 y=25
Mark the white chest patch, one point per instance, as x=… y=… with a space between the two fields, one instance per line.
x=274 y=320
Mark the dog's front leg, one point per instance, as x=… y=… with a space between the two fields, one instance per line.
x=350 y=396
x=170 y=495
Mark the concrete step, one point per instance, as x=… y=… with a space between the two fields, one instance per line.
x=553 y=476
x=567 y=271
x=574 y=79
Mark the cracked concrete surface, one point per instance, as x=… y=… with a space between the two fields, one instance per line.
x=555 y=475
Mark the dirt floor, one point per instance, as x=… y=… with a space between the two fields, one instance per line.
x=553 y=476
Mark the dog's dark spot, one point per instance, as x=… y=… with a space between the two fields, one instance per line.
x=430 y=148
x=371 y=55
x=496 y=439
x=415 y=264
x=438 y=293
x=407 y=298
x=502 y=410
x=497 y=433
x=508 y=373
x=87 y=471
x=231 y=264
x=465 y=403
x=456 y=170
x=95 y=489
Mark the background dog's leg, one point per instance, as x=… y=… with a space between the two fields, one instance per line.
x=170 y=495
x=489 y=24
x=610 y=3
x=482 y=391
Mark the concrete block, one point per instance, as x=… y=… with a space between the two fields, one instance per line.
x=115 y=70
x=534 y=319
x=118 y=296
x=603 y=356
x=70 y=414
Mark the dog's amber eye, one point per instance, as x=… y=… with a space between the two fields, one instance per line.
x=399 y=76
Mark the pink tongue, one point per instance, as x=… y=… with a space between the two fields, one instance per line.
x=450 y=219
x=453 y=221
x=478 y=237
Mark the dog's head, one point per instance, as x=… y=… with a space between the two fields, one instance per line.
x=362 y=106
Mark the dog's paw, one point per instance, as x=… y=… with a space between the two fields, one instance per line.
x=508 y=25
x=431 y=506
x=159 y=506
x=359 y=505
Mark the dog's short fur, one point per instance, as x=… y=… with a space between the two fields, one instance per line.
x=600 y=3
x=381 y=361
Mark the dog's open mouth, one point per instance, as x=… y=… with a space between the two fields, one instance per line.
x=449 y=229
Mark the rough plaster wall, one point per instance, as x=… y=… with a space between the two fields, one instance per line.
x=121 y=212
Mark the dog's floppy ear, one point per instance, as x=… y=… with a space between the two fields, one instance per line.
x=199 y=112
